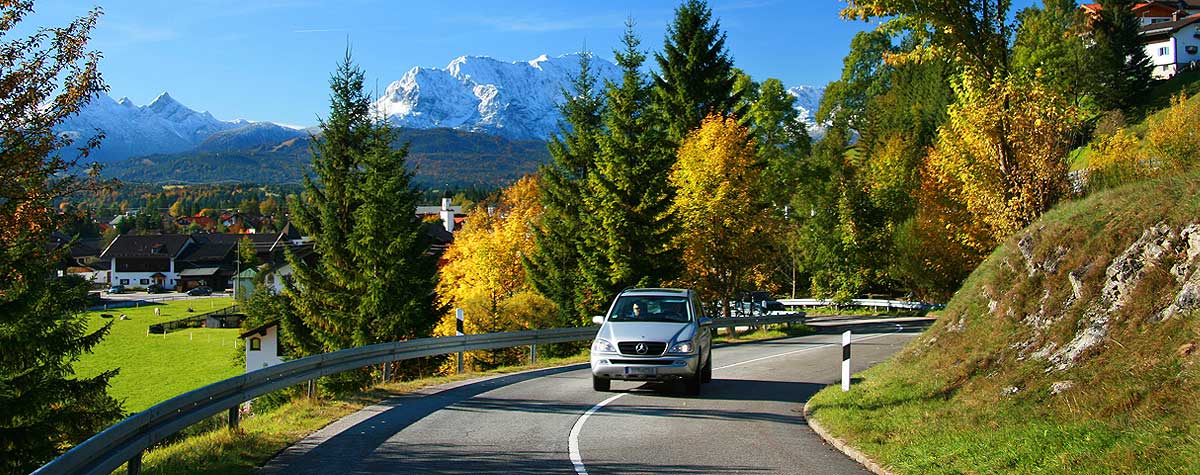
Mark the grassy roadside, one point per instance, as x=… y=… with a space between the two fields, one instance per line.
x=259 y=437
x=991 y=387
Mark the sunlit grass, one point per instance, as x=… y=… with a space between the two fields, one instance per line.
x=154 y=368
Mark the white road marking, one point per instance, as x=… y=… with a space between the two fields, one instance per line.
x=573 y=440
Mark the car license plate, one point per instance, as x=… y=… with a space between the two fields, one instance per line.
x=639 y=370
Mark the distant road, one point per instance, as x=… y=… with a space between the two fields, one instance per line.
x=748 y=420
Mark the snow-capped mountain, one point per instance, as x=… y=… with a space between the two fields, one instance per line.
x=511 y=99
x=249 y=136
x=480 y=94
x=808 y=100
x=515 y=100
x=162 y=126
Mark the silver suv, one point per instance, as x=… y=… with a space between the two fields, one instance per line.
x=653 y=335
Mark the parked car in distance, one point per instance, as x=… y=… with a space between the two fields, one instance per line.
x=653 y=335
x=756 y=303
x=116 y=289
x=155 y=289
x=200 y=291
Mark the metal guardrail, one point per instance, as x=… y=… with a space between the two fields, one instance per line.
x=128 y=439
x=876 y=303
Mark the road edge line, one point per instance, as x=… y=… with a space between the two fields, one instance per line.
x=842 y=446
x=577 y=428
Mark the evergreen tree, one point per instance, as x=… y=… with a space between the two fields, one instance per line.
x=782 y=140
x=628 y=222
x=1120 y=67
x=696 y=76
x=553 y=267
x=372 y=281
x=390 y=247
x=44 y=407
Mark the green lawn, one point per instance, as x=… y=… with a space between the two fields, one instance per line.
x=155 y=368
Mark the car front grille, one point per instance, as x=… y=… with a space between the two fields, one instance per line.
x=653 y=348
x=644 y=361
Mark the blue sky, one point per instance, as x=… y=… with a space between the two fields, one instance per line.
x=271 y=59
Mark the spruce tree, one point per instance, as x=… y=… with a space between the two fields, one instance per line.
x=372 y=281
x=1120 y=67
x=324 y=293
x=390 y=247
x=696 y=76
x=44 y=407
x=629 y=225
x=553 y=267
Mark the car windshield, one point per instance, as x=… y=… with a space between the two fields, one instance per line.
x=650 y=309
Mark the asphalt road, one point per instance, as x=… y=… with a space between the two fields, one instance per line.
x=748 y=420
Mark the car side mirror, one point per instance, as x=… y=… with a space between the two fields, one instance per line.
x=706 y=322
x=598 y=319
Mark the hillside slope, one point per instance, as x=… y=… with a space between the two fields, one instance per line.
x=1071 y=349
x=439 y=157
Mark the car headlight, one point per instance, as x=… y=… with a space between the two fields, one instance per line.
x=603 y=346
x=682 y=347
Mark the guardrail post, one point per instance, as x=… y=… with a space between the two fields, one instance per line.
x=387 y=372
x=233 y=417
x=846 y=361
x=533 y=353
x=458 y=315
x=135 y=464
x=312 y=388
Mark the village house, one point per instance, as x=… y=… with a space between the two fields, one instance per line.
x=1170 y=33
x=186 y=261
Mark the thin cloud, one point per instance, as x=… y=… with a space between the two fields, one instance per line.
x=539 y=24
x=320 y=30
x=127 y=33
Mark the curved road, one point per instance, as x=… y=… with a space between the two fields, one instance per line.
x=748 y=420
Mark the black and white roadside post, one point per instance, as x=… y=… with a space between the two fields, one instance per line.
x=458 y=314
x=846 y=361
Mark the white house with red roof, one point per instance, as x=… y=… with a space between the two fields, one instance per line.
x=1170 y=33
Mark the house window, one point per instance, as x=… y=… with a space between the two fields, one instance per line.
x=144 y=281
x=1165 y=50
x=255 y=344
x=124 y=281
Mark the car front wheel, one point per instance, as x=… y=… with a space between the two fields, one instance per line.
x=601 y=384
x=706 y=373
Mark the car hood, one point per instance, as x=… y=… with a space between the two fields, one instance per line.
x=646 y=331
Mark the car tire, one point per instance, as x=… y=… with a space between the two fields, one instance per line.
x=601 y=384
x=691 y=385
x=706 y=373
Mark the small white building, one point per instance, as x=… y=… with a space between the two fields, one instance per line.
x=262 y=346
x=1172 y=45
x=1168 y=33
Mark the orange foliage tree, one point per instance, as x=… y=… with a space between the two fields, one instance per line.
x=1002 y=155
x=484 y=275
x=719 y=201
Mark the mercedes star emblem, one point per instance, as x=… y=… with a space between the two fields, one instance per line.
x=641 y=348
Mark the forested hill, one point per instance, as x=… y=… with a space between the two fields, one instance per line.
x=440 y=157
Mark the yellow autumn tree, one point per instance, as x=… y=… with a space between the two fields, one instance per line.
x=719 y=203
x=485 y=278
x=1002 y=155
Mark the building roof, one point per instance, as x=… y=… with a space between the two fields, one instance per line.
x=199 y=272
x=162 y=245
x=1166 y=28
x=1150 y=8
x=210 y=247
x=260 y=330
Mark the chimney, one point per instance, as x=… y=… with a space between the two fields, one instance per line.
x=447 y=213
